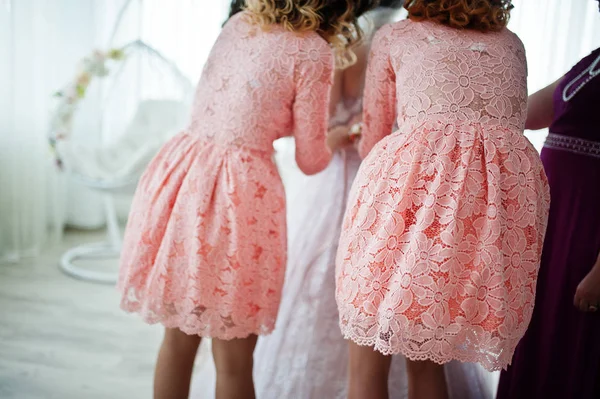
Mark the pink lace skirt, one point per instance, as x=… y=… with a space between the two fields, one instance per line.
x=205 y=244
x=441 y=244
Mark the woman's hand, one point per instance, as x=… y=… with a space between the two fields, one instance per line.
x=587 y=296
x=338 y=137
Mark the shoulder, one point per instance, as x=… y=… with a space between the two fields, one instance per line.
x=508 y=44
x=313 y=56
x=588 y=59
x=512 y=39
x=388 y=37
x=384 y=36
x=311 y=46
x=584 y=63
x=394 y=29
x=396 y=33
x=311 y=41
x=237 y=19
x=239 y=25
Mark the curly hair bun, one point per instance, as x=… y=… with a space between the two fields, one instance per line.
x=482 y=15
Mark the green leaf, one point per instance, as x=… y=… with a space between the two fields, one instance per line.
x=80 y=91
x=116 y=54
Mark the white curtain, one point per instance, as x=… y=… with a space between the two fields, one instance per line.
x=41 y=43
x=37 y=51
x=182 y=31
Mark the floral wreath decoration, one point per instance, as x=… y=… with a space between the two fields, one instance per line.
x=93 y=66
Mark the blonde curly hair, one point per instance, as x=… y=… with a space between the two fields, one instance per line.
x=334 y=20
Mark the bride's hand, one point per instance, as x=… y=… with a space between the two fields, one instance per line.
x=338 y=137
x=355 y=131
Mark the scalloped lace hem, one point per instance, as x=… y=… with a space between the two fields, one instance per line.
x=202 y=330
x=441 y=360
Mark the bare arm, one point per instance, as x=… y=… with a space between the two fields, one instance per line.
x=540 y=108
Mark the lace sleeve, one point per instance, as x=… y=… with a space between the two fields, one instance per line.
x=314 y=78
x=379 y=102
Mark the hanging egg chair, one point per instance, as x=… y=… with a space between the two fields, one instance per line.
x=144 y=100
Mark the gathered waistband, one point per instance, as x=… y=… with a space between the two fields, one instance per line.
x=573 y=144
x=230 y=146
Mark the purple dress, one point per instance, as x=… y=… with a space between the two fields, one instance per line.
x=559 y=356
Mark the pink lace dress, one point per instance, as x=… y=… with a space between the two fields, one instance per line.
x=441 y=242
x=306 y=357
x=205 y=245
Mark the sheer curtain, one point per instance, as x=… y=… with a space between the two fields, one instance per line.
x=556 y=34
x=38 y=52
x=41 y=43
x=185 y=31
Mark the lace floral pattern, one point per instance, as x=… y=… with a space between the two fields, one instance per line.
x=205 y=245
x=442 y=239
